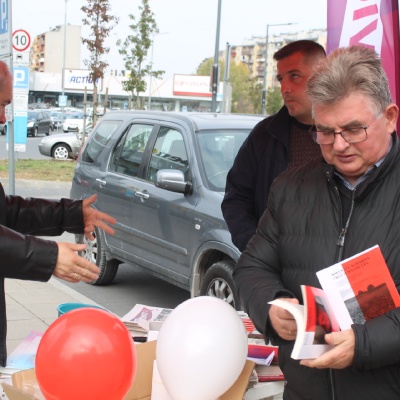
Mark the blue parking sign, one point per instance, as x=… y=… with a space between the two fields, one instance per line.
x=4 y=16
x=21 y=77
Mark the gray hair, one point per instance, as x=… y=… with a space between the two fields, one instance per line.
x=347 y=70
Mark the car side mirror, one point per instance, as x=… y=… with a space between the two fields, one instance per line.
x=173 y=180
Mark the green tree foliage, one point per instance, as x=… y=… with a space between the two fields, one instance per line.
x=246 y=92
x=101 y=23
x=274 y=101
x=134 y=50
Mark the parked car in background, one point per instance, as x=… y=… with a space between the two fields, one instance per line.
x=162 y=175
x=57 y=119
x=74 y=122
x=3 y=129
x=39 y=122
x=61 y=146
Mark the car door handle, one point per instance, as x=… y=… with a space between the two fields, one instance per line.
x=142 y=195
x=101 y=181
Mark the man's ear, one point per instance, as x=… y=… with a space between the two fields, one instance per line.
x=391 y=115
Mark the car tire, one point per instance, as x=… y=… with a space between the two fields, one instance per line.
x=4 y=131
x=61 y=152
x=36 y=132
x=95 y=252
x=218 y=282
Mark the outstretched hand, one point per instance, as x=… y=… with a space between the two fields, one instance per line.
x=71 y=266
x=93 y=217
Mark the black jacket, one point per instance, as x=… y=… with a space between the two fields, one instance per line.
x=297 y=236
x=24 y=256
x=263 y=156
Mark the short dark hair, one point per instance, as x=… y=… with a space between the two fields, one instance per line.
x=308 y=48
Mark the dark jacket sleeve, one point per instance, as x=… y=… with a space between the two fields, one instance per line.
x=24 y=256
x=257 y=274
x=262 y=157
x=377 y=341
x=238 y=205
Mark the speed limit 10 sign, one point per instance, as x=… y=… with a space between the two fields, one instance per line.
x=21 y=40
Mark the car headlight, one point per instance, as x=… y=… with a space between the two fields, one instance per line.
x=43 y=141
x=30 y=124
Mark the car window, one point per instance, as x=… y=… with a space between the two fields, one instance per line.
x=128 y=153
x=99 y=139
x=169 y=152
x=217 y=152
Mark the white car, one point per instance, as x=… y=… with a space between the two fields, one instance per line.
x=74 y=123
x=62 y=146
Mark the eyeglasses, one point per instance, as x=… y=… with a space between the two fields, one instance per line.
x=356 y=134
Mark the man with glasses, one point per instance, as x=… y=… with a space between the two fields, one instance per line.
x=327 y=211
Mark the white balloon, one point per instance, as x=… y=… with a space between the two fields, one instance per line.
x=201 y=349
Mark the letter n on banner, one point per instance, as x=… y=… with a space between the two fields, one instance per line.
x=371 y=23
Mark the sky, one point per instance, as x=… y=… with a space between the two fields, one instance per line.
x=187 y=28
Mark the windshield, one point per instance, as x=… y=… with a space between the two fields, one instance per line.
x=32 y=114
x=218 y=150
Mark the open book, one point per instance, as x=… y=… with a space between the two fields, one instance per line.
x=354 y=291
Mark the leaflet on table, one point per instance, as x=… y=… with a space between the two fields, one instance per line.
x=24 y=355
x=143 y=318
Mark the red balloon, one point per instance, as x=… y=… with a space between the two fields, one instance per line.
x=86 y=354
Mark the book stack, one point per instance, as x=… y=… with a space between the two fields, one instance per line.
x=266 y=359
x=142 y=318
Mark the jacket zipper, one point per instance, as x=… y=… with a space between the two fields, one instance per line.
x=340 y=243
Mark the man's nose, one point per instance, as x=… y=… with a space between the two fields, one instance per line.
x=285 y=86
x=339 y=142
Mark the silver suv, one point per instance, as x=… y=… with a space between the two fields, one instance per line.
x=162 y=175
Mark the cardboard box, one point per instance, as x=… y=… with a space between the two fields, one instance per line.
x=25 y=386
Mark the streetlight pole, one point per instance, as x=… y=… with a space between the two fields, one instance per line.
x=64 y=55
x=151 y=67
x=151 y=73
x=215 y=67
x=264 y=91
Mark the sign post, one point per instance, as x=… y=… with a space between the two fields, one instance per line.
x=6 y=56
x=21 y=42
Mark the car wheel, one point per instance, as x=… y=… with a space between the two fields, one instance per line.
x=61 y=152
x=95 y=252
x=36 y=131
x=4 y=131
x=218 y=282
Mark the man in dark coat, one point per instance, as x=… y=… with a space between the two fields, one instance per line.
x=279 y=142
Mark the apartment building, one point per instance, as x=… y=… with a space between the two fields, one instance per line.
x=47 y=50
x=253 y=51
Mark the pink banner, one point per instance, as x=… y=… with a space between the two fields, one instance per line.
x=371 y=23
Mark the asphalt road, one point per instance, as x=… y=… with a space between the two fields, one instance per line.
x=32 y=149
x=130 y=286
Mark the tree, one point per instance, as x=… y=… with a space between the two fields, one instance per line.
x=246 y=92
x=134 y=50
x=274 y=101
x=101 y=23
